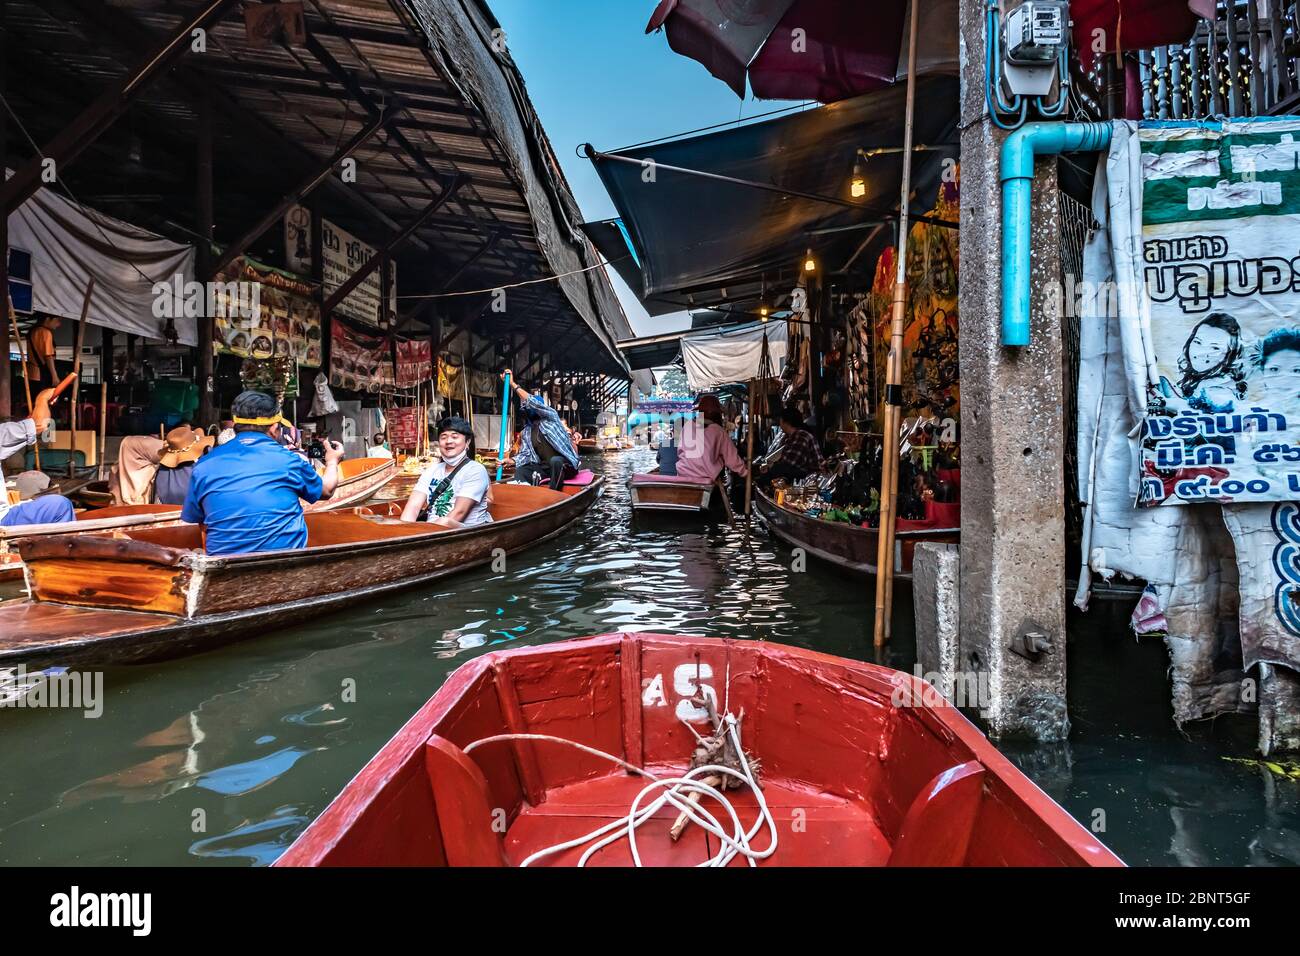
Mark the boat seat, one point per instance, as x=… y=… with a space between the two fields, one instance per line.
x=583 y=478
x=655 y=479
x=460 y=794
x=937 y=828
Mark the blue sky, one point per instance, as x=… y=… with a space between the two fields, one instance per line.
x=595 y=76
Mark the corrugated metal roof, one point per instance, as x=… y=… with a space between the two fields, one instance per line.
x=452 y=104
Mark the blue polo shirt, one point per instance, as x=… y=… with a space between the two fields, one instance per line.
x=245 y=493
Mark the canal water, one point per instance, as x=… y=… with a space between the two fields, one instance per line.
x=224 y=758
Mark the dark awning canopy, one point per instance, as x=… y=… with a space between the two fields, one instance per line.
x=705 y=240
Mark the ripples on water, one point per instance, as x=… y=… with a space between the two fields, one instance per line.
x=225 y=757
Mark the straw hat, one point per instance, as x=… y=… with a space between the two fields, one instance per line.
x=183 y=444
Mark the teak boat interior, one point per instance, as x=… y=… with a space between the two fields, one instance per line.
x=348 y=526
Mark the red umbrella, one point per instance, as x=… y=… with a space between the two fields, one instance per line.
x=830 y=50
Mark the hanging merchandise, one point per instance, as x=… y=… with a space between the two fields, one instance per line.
x=278 y=376
x=262 y=312
x=450 y=370
x=404 y=426
x=414 y=362
x=323 y=403
x=483 y=384
x=359 y=362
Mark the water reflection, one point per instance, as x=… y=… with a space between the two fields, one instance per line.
x=224 y=758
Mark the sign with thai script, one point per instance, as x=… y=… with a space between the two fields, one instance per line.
x=343 y=254
x=281 y=320
x=1220 y=263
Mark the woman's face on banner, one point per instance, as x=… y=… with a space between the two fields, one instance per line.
x=1209 y=347
x=1280 y=376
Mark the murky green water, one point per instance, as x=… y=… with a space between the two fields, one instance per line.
x=225 y=757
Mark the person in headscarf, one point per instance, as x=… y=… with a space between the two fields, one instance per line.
x=131 y=479
x=248 y=493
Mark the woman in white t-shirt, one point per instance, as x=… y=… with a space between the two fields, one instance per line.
x=462 y=501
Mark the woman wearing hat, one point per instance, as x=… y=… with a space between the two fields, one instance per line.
x=182 y=447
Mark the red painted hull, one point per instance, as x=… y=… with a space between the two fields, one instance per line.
x=857 y=767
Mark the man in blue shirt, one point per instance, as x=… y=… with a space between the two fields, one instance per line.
x=544 y=445
x=245 y=493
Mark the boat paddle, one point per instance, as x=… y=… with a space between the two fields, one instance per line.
x=505 y=407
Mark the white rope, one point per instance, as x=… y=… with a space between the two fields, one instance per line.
x=735 y=843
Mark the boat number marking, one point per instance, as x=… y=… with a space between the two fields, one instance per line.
x=686 y=678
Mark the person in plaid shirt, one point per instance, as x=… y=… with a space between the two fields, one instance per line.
x=795 y=455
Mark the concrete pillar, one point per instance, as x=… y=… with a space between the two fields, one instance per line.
x=1012 y=417
x=935 y=596
x=1279 y=710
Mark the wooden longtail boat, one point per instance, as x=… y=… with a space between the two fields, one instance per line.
x=359 y=479
x=654 y=492
x=859 y=765
x=843 y=544
x=151 y=593
x=588 y=446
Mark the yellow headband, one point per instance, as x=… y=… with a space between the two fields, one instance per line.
x=278 y=420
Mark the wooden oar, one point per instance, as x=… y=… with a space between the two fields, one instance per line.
x=27 y=382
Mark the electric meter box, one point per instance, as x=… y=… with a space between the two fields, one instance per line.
x=1036 y=31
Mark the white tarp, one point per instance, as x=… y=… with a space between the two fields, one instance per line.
x=732 y=355
x=69 y=244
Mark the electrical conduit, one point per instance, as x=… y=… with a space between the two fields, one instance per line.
x=1017 y=179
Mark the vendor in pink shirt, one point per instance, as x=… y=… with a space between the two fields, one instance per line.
x=705 y=447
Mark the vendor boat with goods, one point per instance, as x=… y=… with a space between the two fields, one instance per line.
x=152 y=593
x=654 y=750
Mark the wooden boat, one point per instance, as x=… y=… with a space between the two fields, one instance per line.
x=151 y=593
x=654 y=492
x=359 y=479
x=588 y=446
x=859 y=765
x=94 y=495
x=842 y=544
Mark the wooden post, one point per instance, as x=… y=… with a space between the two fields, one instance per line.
x=894 y=378
x=73 y=417
x=27 y=383
x=749 y=456
x=205 y=206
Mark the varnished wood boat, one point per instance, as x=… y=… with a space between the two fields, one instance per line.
x=845 y=545
x=151 y=593
x=359 y=479
x=94 y=495
x=859 y=765
x=667 y=493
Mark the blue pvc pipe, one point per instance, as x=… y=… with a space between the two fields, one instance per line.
x=1017 y=178
x=502 y=448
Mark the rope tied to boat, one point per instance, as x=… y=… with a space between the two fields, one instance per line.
x=718 y=763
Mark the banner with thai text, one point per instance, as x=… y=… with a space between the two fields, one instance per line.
x=1220 y=275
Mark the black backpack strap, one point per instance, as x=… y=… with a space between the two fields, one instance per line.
x=446 y=482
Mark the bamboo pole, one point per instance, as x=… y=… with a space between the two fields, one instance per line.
x=103 y=415
x=749 y=455
x=76 y=370
x=894 y=374
x=27 y=382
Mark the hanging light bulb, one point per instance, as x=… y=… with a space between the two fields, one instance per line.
x=858 y=185
x=762 y=312
x=809 y=263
